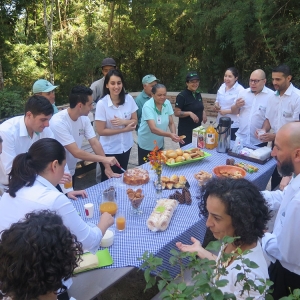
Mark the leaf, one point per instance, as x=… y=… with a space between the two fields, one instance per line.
x=147 y=275
x=213 y=246
x=221 y=283
x=217 y=295
x=161 y=284
x=181 y=286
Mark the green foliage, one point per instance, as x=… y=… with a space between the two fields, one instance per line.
x=11 y=103
x=206 y=274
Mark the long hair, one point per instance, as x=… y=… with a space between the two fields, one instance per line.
x=118 y=73
x=26 y=166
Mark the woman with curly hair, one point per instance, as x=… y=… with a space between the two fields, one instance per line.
x=36 y=254
x=31 y=186
x=234 y=208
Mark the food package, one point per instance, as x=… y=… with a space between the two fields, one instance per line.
x=261 y=153
x=161 y=216
x=89 y=261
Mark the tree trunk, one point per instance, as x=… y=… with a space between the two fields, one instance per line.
x=59 y=15
x=1 y=77
x=49 y=28
x=111 y=18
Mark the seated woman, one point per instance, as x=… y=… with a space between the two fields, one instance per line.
x=156 y=118
x=235 y=208
x=36 y=254
x=31 y=186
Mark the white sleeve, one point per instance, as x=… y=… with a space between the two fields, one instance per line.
x=8 y=150
x=90 y=237
x=270 y=246
x=133 y=106
x=61 y=132
x=89 y=131
x=273 y=198
x=100 y=114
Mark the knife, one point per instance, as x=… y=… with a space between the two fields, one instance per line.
x=118 y=165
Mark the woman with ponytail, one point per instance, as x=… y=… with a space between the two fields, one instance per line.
x=31 y=187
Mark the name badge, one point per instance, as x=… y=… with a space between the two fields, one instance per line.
x=158 y=119
x=286 y=114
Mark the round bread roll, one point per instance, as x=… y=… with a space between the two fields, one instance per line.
x=179 y=152
x=179 y=159
x=187 y=156
x=171 y=154
x=171 y=161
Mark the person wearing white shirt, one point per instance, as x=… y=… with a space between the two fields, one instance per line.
x=31 y=187
x=282 y=245
x=19 y=133
x=72 y=125
x=234 y=208
x=226 y=96
x=283 y=107
x=39 y=253
x=115 y=119
x=251 y=106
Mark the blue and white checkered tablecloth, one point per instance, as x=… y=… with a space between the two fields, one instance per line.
x=137 y=238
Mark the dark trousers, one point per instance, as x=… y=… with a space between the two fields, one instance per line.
x=232 y=135
x=142 y=153
x=284 y=280
x=122 y=158
x=276 y=178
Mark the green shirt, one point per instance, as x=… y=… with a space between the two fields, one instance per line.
x=140 y=100
x=145 y=137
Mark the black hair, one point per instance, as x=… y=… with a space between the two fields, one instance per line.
x=27 y=165
x=283 y=69
x=1 y=140
x=156 y=87
x=79 y=94
x=118 y=73
x=234 y=71
x=36 y=254
x=247 y=207
x=38 y=105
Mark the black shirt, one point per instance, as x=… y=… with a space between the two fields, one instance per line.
x=189 y=101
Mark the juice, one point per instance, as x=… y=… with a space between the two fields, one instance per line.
x=120 y=223
x=110 y=207
x=68 y=185
x=210 y=137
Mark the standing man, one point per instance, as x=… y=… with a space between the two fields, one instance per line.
x=251 y=106
x=148 y=82
x=282 y=246
x=46 y=89
x=71 y=126
x=97 y=86
x=283 y=107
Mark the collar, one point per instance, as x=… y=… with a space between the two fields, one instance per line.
x=155 y=108
x=233 y=87
x=109 y=101
x=288 y=92
x=43 y=181
x=144 y=95
x=23 y=128
x=295 y=183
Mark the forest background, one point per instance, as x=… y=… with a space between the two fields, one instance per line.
x=64 y=41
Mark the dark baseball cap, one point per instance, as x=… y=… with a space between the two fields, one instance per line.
x=192 y=76
x=108 y=62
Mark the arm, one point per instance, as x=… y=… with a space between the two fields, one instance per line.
x=266 y=137
x=196 y=247
x=8 y=151
x=183 y=114
x=124 y=122
x=235 y=108
x=103 y=131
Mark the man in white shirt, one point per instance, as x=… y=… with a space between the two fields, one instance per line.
x=283 y=107
x=251 y=106
x=282 y=246
x=71 y=126
x=20 y=132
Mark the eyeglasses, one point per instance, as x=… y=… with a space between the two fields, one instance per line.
x=255 y=80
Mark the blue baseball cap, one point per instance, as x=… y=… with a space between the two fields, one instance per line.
x=43 y=86
x=149 y=78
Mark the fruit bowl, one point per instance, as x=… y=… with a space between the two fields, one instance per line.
x=229 y=171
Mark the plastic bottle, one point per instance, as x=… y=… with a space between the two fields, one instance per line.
x=210 y=137
x=216 y=137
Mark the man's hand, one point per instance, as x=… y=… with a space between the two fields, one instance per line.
x=194 y=117
x=66 y=178
x=284 y=182
x=110 y=160
x=72 y=195
x=240 y=102
x=106 y=220
x=110 y=174
x=266 y=137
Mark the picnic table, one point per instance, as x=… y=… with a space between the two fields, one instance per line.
x=137 y=238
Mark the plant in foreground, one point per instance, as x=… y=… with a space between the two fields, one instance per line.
x=205 y=274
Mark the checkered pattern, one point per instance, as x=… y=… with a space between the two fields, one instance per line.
x=137 y=238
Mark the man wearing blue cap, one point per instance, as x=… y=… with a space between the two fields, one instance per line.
x=148 y=82
x=46 y=89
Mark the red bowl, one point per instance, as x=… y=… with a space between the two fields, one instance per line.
x=229 y=171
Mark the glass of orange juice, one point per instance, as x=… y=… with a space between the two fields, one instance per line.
x=108 y=203
x=120 y=220
x=68 y=185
